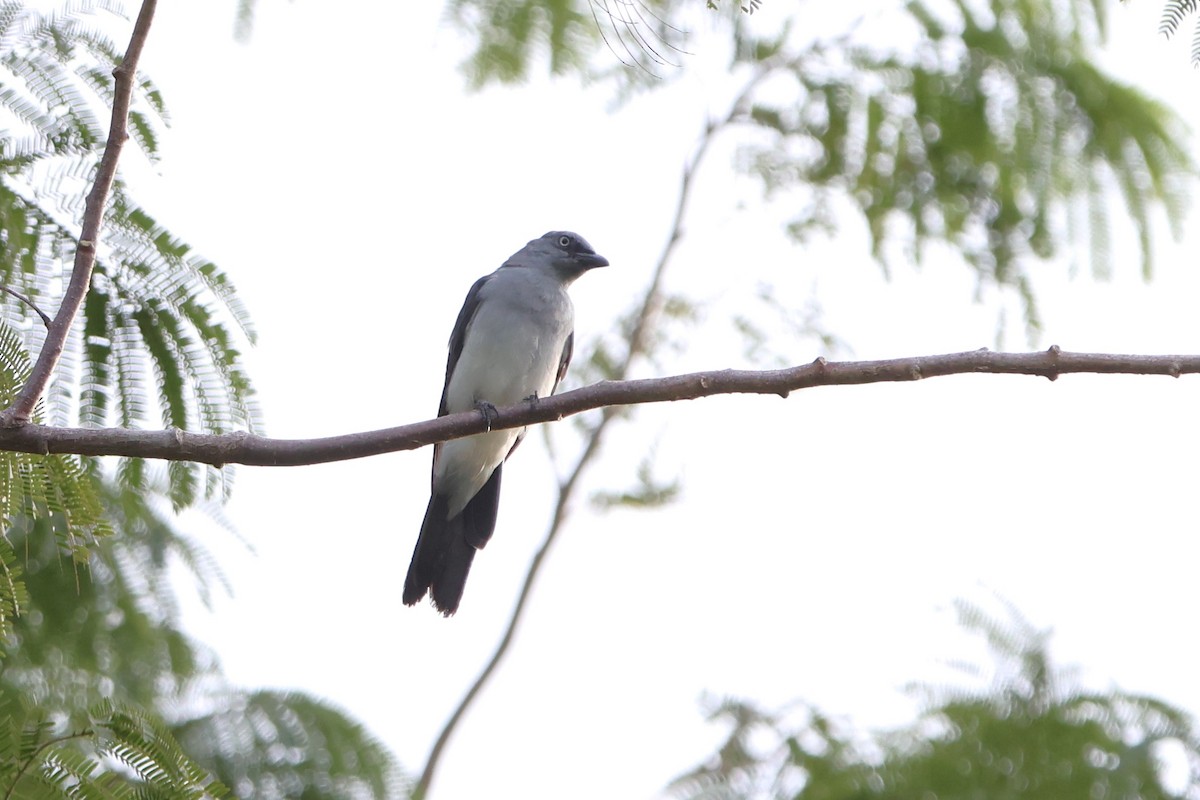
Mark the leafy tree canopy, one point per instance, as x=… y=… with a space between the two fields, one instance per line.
x=985 y=127
x=1031 y=733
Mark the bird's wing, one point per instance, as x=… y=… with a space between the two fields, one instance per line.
x=565 y=360
x=457 y=338
x=459 y=335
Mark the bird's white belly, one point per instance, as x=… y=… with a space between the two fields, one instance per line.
x=503 y=369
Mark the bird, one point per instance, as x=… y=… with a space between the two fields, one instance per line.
x=512 y=341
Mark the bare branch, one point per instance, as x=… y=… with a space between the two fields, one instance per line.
x=245 y=448
x=93 y=218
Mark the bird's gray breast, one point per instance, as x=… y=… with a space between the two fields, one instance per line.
x=511 y=351
x=514 y=342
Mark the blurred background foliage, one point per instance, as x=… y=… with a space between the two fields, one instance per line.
x=1027 y=732
x=985 y=129
x=108 y=633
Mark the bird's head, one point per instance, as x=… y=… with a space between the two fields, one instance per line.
x=567 y=253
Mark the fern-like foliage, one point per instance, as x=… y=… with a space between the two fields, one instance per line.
x=274 y=744
x=996 y=134
x=111 y=634
x=161 y=328
x=512 y=36
x=58 y=491
x=119 y=754
x=983 y=129
x=107 y=631
x=14 y=597
x=1174 y=12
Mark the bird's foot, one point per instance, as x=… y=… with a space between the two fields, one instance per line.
x=490 y=414
x=533 y=400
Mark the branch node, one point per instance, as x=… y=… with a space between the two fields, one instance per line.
x=10 y=419
x=1175 y=369
x=820 y=363
x=45 y=317
x=1055 y=351
x=914 y=372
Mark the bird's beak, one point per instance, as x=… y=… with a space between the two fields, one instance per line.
x=590 y=260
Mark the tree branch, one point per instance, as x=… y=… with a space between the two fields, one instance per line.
x=124 y=76
x=245 y=448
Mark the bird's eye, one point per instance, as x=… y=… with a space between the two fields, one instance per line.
x=564 y=241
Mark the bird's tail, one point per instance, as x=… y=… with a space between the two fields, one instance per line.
x=446 y=547
x=440 y=561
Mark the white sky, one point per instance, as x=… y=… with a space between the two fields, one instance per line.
x=336 y=169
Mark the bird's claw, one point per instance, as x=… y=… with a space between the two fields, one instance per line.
x=490 y=414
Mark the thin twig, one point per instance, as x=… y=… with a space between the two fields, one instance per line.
x=28 y=302
x=124 y=75
x=638 y=344
x=35 y=757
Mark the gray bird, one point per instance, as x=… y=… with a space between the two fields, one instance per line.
x=512 y=342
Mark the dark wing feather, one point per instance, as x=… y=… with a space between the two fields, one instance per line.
x=459 y=335
x=446 y=546
x=565 y=360
x=479 y=515
x=457 y=338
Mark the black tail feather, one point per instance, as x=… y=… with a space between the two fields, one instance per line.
x=479 y=517
x=446 y=547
